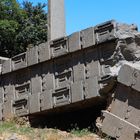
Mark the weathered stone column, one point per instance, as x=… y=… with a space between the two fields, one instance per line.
x=56 y=19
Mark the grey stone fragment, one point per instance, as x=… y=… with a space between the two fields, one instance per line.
x=77 y=91
x=128 y=100
x=36 y=80
x=61 y=97
x=88 y=37
x=117 y=127
x=34 y=103
x=2 y=61
x=56 y=19
x=91 y=88
x=1 y=94
x=128 y=41
x=9 y=96
x=92 y=67
x=132 y=111
x=46 y=100
x=21 y=106
x=19 y=61
x=125 y=72
x=63 y=72
x=105 y=31
x=125 y=31
x=48 y=81
x=120 y=101
x=129 y=49
x=108 y=53
x=136 y=80
x=1 y=103
x=63 y=80
x=59 y=47
x=7 y=109
x=74 y=42
x=43 y=52
x=129 y=75
x=32 y=55
x=137 y=38
x=22 y=90
x=1 y=111
x=36 y=85
x=6 y=66
x=78 y=67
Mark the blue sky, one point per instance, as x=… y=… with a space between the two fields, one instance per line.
x=81 y=14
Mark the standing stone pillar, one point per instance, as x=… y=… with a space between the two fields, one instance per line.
x=56 y=19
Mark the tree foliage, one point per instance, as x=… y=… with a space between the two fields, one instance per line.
x=21 y=25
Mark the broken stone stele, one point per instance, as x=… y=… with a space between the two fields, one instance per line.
x=100 y=64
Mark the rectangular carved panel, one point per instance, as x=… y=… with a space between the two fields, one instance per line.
x=19 y=61
x=61 y=97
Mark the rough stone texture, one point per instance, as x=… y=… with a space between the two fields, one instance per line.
x=88 y=37
x=91 y=88
x=21 y=106
x=92 y=66
x=36 y=80
x=124 y=65
x=133 y=72
x=1 y=94
x=77 y=91
x=48 y=82
x=74 y=42
x=8 y=93
x=128 y=41
x=46 y=100
x=32 y=55
x=1 y=114
x=78 y=67
x=63 y=72
x=6 y=66
x=59 y=47
x=105 y=31
x=43 y=52
x=2 y=61
x=19 y=61
x=119 y=128
x=34 y=103
x=22 y=90
x=61 y=97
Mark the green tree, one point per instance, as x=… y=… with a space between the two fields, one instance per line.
x=34 y=26
x=21 y=25
x=9 y=9
x=8 y=31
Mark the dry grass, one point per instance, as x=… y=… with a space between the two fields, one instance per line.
x=20 y=129
x=50 y=136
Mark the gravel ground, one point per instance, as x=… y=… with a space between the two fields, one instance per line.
x=49 y=135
